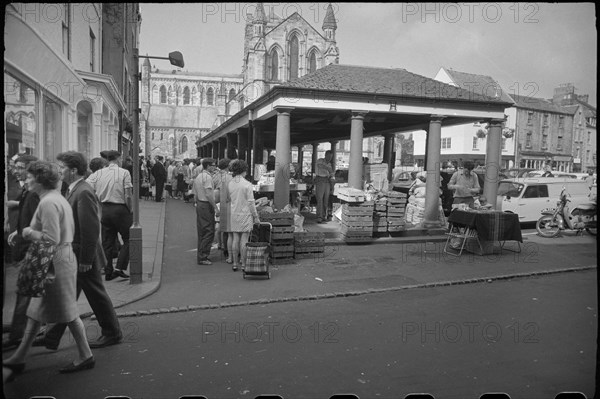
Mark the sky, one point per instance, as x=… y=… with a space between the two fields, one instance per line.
x=528 y=48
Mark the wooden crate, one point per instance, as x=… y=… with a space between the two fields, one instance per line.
x=277 y=219
x=308 y=238
x=282 y=232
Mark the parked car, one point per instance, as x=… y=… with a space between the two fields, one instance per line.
x=527 y=197
x=511 y=173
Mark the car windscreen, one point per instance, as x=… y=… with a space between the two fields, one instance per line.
x=510 y=189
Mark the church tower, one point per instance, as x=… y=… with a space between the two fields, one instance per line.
x=254 y=55
x=332 y=53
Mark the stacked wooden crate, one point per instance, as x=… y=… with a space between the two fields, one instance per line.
x=380 y=221
x=308 y=244
x=396 y=208
x=357 y=222
x=282 y=234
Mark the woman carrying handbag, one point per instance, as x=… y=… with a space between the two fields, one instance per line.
x=53 y=225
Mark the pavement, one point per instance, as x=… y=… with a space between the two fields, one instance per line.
x=386 y=264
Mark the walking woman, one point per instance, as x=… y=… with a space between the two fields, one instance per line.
x=243 y=213
x=221 y=181
x=53 y=222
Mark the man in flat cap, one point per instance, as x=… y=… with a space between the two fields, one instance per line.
x=114 y=188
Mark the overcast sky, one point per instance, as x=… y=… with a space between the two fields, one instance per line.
x=529 y=48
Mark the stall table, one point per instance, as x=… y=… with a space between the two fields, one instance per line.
x=483 y=227
x=268 y=190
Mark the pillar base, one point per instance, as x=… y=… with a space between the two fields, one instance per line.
x=135 y=254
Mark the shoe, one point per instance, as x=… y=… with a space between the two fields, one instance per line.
x=16 y=368
x=204 y=262
x=229 y=260
x=120 y=273
x=42 y=341
x=110 y=276
x=234 y=268
x=104 y=341
x=87 y=364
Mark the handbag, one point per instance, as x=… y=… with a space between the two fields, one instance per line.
x=36 y=270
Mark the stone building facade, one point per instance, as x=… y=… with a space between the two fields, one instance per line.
x=180 y=107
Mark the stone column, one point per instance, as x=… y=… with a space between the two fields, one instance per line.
x=242 y=143
x=388 y=154
x=301 y=158
x=215 y=149
x=432 y=195
x=257 y=144
x=492 y=165
x=283 y=158
x=222 y=147
x=315 y=156
x=355 y=168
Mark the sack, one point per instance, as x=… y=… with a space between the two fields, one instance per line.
x=36 y=269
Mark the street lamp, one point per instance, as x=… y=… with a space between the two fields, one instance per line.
x=135 y=231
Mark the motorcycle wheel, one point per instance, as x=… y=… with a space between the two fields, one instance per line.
x=547 y=226
x=593 y=230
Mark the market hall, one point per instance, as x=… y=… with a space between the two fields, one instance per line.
x=345 y=102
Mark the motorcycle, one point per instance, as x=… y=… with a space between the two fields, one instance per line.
x=583 y=216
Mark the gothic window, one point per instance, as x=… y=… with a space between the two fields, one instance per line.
x=155 y=97
x=210 y=96
x=186 y=96
x=294 y=51
x=312 y=62
x=273 y=66
x=231 y=94
x=172 y=95
x=183 y=145
x=163 y=95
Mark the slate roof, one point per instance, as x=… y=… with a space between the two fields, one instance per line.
x=539 y=104
x=480 y=84
x=394 y=82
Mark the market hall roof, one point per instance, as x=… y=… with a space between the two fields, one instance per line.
x=393 y=100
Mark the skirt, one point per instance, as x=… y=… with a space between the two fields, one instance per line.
x=59 y=304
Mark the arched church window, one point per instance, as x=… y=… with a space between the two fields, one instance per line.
x=186 y=96
x=163 y=95
x=155 y=96
x=312 y=62
x=231 y=94
x=183 y=145
x=210 y=96
x=274 y=66
x=294 y=57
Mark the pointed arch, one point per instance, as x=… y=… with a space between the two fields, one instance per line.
x=183 y=144
x=293 y=46
x=186 y=96
x=210 y=96
x=163 y=94
x=231 y=95
x=194 y=96
x=312 y=60
x=274 y=63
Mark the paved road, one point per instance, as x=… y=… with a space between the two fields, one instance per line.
x=530 y=338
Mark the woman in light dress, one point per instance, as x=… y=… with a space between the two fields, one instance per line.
x=243 y=214
x=53 y=222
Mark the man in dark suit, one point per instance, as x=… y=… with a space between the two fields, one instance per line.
x=87 y=246
x=160 y=176
x=27 y=204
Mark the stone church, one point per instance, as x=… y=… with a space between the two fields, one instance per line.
x=180 y=107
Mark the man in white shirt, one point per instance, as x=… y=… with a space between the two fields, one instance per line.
x=206 y=209
x=114 y=188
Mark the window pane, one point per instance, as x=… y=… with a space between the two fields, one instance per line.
x=294 y=49
x=52 y=129
x=20 y=110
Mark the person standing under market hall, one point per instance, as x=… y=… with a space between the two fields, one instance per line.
x=324 y=172
x=114 y=189
x=465 y=185
x=160 y=176
x=206 y=209
x=87 y=246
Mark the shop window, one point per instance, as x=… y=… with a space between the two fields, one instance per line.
x=52 y=129
x=21 y=113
